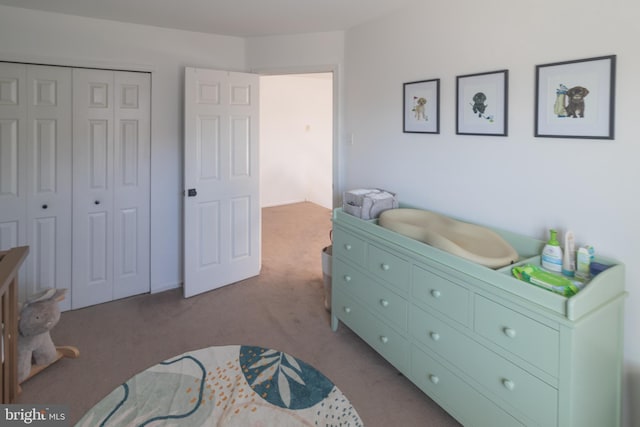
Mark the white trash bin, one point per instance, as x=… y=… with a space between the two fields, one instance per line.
x=326 y=275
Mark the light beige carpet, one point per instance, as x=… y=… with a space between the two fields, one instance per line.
x=281 y=309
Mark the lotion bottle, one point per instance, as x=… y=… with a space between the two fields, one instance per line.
x=552 y=253
x=569 y=256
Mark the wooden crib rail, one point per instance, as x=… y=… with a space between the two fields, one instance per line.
x=10 y=262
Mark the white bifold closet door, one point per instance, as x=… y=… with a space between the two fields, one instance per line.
x=74 y=179
x=111 y=172
x=35 y=172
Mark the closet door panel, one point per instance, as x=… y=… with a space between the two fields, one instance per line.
x=13 y=138
x=49 y=180
x=92 y=187
x=98 y=246
x=131 y=183
x=9 y=146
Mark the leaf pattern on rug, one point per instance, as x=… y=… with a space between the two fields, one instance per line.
x=283 y=380
x=272 y=361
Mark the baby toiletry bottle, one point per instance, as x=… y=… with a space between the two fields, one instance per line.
x=584 y=258
x=552 y=254
x=569 y=258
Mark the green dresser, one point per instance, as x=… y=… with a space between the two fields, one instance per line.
x=491 y=350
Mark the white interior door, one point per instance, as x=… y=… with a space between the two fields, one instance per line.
x=111 y=144
x=35 y=172
x=92 y=187
x=222 y=206
x=13 y=149
x=48 y=180
x=132 y=183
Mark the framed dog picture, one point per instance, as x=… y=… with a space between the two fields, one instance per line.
x=575 y=99
x=421 y=111
x=482 y=100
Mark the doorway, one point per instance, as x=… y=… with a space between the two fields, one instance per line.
x=296 y=139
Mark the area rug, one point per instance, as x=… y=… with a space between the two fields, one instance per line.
x=226 y=386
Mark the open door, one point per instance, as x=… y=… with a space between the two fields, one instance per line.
x=222 y=200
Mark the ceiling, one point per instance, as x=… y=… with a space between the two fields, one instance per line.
x=241 y=18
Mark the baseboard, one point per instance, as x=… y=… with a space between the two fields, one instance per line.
x=165 y=287
x=290 y=202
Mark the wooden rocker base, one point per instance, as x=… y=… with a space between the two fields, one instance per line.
x=63 y=351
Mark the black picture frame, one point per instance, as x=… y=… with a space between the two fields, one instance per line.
x=421 y=106
x=576 y=99
x=482 y=103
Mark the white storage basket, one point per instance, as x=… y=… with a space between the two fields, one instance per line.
x=368 y=203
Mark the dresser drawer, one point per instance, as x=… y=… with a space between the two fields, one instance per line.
x=348 y=246
x=447 y=389
x=525 y=392
x=442 y=294
x=384 y=339
x=347 y=278
x=389 y=267
x=531 y=340
x=371 y=294
x=441 y=338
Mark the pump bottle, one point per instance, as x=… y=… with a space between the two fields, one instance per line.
x=552 y=253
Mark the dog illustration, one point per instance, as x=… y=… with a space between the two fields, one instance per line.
x=575 y=106
x=419 y=109
x=479 y=103
x=561 y=97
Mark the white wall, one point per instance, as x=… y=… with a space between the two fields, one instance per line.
x=296 y=131
x=520 y=183
x=306 y=53
x=32 y=36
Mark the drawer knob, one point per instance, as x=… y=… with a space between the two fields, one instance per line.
x=347 y=246
x=435 y=293
x=508 y=384
x=385 y=267
x=511 y=333
x=384 y=303
x=434 y=336
x=384 y=339
x=434 y=379
x=347 y=310
x=347 y=278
